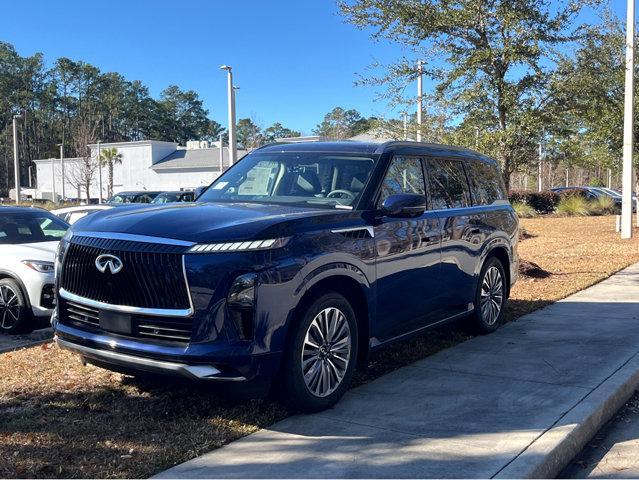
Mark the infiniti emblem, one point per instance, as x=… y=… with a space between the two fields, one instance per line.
x=109 y=262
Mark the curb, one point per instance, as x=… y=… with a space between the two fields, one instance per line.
x=553 y=450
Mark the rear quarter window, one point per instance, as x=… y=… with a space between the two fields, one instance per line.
x=485 y=182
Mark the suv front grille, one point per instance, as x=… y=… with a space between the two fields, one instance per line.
x=152 y=275
x=142 y=326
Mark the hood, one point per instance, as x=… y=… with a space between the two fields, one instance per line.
x=203 y=222
x=44 y=251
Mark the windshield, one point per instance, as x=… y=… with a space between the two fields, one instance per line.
x=166 y=198
x=30 y=228
x=310 y=178
x=121 y=198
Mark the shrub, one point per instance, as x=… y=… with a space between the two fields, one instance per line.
x=541 y=202
x=574 y=206
x=573 y=192
x=603 y=205
x=524 y=210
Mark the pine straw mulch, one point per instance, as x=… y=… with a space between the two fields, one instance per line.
x=60 y=419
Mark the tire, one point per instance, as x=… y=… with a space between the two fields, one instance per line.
x=15 y=314
x=490 y=297
x=314 y=375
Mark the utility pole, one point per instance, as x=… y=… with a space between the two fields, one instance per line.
x=16 y=163
x=61 y=145
x=99 y=173
x=231 y=99
x=628 y=124
x=420 y=93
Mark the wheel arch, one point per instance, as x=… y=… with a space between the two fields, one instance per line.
x=501 y=253
x=351 y=283
x=23 y=289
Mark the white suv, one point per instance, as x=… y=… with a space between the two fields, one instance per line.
x=28 y=241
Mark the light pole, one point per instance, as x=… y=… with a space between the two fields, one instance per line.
x=221 y=154
x=420 y=92
x=539 y=186
x=231 y=98
x=476 y=137
x=16 y=163
x=54 y=197
x=628 y=124
x=61 y=145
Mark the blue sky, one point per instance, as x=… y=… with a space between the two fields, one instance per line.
x=294 y=60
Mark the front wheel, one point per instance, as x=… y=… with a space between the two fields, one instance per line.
x=15 y=316
x=490 y=298
x=320 y=363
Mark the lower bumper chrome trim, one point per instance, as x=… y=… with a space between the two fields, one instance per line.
x=197 y=372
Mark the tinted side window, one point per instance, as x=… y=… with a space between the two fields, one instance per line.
x=485 y=182
x=448 y=185
x=405 y=175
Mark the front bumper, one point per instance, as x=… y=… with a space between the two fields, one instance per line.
x=194 y=372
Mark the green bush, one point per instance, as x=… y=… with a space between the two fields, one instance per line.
x=574 y=206
x=524 y=210
x=603 y=205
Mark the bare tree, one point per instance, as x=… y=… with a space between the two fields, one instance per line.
x=84 y=133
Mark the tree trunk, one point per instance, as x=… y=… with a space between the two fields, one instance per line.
x=110 y=179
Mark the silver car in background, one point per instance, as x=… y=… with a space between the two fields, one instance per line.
x=29 y=238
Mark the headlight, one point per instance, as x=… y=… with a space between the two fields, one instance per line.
x=39 y=265
x=239 y=246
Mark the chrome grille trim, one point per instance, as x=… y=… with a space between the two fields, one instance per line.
x=157 y=312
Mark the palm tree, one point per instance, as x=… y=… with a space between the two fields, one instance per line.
x=110 y=157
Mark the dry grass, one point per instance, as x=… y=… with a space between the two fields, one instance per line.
x=60 y=419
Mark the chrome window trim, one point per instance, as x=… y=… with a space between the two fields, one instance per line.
x=134 y=238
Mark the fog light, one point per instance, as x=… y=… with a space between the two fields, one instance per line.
x=241 y=304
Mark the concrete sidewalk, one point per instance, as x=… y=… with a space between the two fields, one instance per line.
x=521 y=402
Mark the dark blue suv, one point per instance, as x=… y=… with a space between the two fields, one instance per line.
x=296 y=263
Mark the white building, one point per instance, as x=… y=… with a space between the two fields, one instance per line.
x=146 y=165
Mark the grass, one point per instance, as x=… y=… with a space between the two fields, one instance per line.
x=523 y=210
x=60 y=419
x=574 y=206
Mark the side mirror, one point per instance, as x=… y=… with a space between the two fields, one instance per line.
x=403 y=205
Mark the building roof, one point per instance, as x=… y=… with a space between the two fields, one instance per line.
x=202 y=158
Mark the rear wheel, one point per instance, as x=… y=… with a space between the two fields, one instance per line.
x=15 y=316
x=490 y=298
x=320 y=363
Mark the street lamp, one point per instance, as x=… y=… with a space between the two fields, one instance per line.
x=420 y=74
x=231 y=98
x=16 y=163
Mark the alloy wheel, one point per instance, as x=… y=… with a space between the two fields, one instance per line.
x=9 y=307
x=492 y=295
x=326 y=352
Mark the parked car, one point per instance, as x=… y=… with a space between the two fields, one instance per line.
x=28 y=241
x=73 y=214
x=132 y=197
x=297 y=262
x=172 y=197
